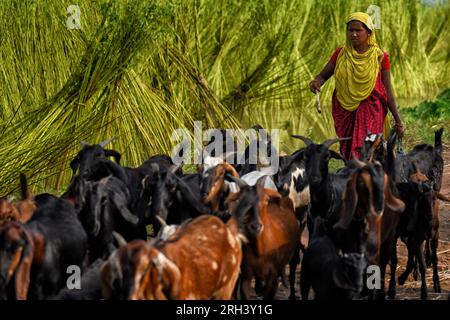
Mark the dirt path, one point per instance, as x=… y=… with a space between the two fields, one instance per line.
x=411 y=289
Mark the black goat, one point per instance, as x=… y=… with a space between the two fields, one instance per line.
x=428 y=159
x=325 y=188
x=333 y=276
x=176 y=198
x=94 y=166
x=102 y=207
x=90 y=286
x=84 y=159
x=34 y=257
x=292 y=180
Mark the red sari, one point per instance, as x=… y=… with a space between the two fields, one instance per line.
x=368 y=117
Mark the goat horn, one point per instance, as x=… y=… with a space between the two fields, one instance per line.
x=228 y=155
x=104 y=143
x=120 y=240
x=307 y=141
x=358 y=162
x=174 y=168
x=328 y=143
x=161 y=220
x=241 y=183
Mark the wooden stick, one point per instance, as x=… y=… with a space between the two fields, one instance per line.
x=319 y=108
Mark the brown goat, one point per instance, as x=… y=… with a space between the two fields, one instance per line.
x=370 y=203
x=200 y=261
x=213 y=184
x=18 y=211
x=267 y=254
x=17 y=261
x=366 y=197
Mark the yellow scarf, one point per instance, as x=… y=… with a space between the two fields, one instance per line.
x=356 y=73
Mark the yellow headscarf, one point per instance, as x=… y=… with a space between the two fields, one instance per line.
x=356 y=73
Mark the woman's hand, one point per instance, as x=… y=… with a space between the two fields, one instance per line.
x=315 y=85
x=400 y=129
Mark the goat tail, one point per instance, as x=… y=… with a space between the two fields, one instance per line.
x=25 y=192
x=438 y=140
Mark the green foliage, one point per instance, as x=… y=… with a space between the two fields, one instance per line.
x=425 y=118
x=436 y=110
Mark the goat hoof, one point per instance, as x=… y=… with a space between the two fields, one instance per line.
x=437 y=288
x=259 y=286
x=380 y=295
x=423 y=296
x=391 y=294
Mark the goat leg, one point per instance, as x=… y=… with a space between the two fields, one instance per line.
x=434 y=259
x=245 y=286
x=305 y=283
x=409 y=264
x=271 y=286
x=394 y=261
x=428 y=253
x=415 y=272
x=260 y=284
x=292 y=268
x=422 y=269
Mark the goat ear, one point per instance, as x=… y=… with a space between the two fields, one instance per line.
x=22 y=282
x=335 y=155
x=169 y=274
x=230 y=169
x=25 y=192
x=349 y=202
x=95 y=212
x=191 y=198
x=111 y=272
x=113 y=153
x=232 y=197
x=273 y=195
x=74 y=164
x=39 y=248
x=120 y=202
x=292 y=159
x=392 y=202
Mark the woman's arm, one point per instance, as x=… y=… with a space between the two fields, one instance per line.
x=323 y=76
x=392 y=105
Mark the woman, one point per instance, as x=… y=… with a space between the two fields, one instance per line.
x=363 y=86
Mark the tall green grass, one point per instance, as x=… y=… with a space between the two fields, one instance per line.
x=137 y=70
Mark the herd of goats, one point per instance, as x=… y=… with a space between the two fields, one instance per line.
x=227 y=231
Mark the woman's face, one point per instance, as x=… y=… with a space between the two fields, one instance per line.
x=357 y=34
